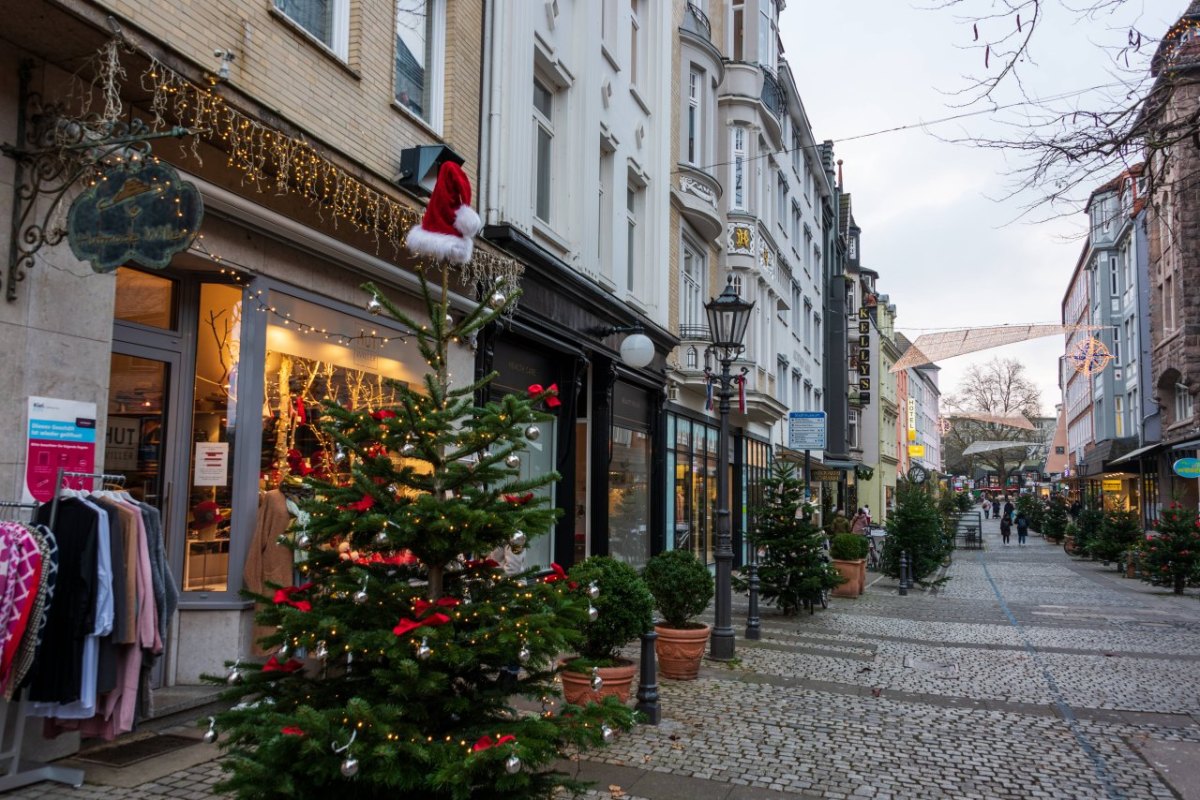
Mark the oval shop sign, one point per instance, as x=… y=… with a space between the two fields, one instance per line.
x=1187 y=467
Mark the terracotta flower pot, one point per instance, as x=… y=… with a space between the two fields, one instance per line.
x=618 y=682
x=862 y=575
x=850 y=571
x=1069 y=545
x=680 y=650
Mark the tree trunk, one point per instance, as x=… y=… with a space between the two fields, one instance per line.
x=1180 y=582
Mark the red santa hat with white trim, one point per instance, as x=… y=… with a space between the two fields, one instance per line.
x=447 y=231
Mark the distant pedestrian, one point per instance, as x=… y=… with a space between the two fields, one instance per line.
x=995 y=507
x=1022 y=529
x=860 y=522
x=1076 y=507
x=1008 y=507
x=1005 y=529
x=987 y=508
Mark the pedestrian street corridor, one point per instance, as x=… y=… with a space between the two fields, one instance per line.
x=1028 y=674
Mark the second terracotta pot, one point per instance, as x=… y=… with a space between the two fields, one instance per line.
x=680 y=651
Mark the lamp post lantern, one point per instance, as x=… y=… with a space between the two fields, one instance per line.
x=728 y=316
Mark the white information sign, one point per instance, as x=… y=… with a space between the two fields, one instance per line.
x=806 y=430
x=212 y=464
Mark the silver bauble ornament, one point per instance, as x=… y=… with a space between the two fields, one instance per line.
x=532 y=433
x=235 y=675
x=523 y=654
x=424 y=651
x=349 y=767
x=512 y=765
x=607 y=733
x=593 y=591
x=497 y=300
x=381 y=538
x=593 y=613
x=512 y=461
x=322 y=651
x=339 y=454
x=449 y=321
x=284 y=647
x=361 y=597
x=597 y=681
x=407 y=449
x=374 y=306
x=210 y=735
x=303 y=541
x=517 y=541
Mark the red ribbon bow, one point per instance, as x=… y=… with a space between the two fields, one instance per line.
x=486 y=742
x=518 y=499
x=273 y=665
x=560 y=574
x=284 y=597
x=382 y=414
x=401 y=559
x=422 y=606
x=364 y=504
x=550 y=391
x=291 y=730
x=407 y=625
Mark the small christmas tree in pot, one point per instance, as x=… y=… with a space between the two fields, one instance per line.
x=397 y=660
x=621 y=611
x=682 y=589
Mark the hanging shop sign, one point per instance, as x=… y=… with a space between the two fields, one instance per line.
x=1187 y=467
x=806 y=430
x=831 y=475
x=139 y=212
x=61 y=435
x=916 y=451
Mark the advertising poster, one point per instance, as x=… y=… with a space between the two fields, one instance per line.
x=61 y=435
x=121 y=444
x=212 y=464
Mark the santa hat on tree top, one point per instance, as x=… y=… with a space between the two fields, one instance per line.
x=449 y=226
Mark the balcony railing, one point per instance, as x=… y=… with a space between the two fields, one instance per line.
x=696 y=21
x=773 y=96
x=693 y=333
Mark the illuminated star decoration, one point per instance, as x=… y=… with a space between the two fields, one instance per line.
x=1089 y=356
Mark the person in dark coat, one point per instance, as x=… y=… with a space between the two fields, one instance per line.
x=1008 y=507
x=995 y=506
x=1022 y=529
x=1005 y=528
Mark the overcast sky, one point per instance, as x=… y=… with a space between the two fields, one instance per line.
x=947 y=251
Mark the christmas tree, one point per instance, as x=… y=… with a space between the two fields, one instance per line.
x=1172 y=558
x=792 y=569
x=400 y=661
x=915 y=528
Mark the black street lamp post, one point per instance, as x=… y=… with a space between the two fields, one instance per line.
x=728 y=316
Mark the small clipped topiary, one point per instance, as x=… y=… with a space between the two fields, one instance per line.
x=681 y=585
x=625 y=606
x=848 y=547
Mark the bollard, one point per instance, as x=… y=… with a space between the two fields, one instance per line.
x=903 y=572
x=753 y=624
x=647 y=693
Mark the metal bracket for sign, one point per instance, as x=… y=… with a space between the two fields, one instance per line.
x=63 y=150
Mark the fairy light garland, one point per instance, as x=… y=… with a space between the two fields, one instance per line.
x=271 y=160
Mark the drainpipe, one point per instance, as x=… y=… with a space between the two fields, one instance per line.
x=491 y=67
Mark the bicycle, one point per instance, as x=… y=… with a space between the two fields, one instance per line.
x=874 y=549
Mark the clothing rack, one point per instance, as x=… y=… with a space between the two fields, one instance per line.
x=18 y=773
x=103 y=477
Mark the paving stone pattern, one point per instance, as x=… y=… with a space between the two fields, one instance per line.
x=933 y=695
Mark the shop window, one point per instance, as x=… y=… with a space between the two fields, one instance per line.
x=629 y=497
x=1183 y=403
x=329 y=356
x=420 y=37
x=327 y=21
x=146 y=299
x=543 y=155
x=214 y=437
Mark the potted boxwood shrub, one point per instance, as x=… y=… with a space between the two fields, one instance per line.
x=682 y=588
x=849 y=554
x=624 y=611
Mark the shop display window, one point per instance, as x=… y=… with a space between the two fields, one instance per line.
x=316 y=354
x=628 y=497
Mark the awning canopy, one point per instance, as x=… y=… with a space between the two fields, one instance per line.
x=1105 y=452
x=1139 y=452
x=1190 y=444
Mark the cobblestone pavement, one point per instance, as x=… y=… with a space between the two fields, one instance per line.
x=1026 y=675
